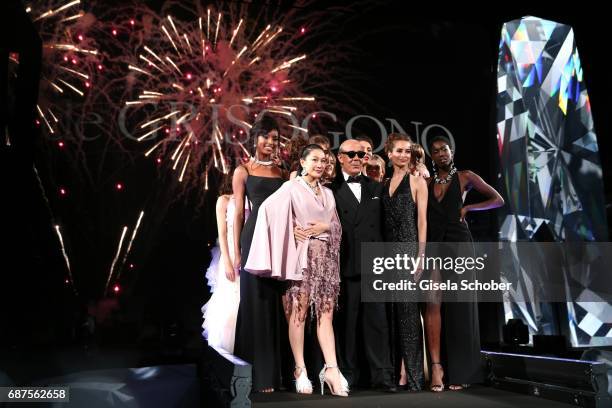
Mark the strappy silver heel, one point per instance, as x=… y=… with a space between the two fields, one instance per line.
x=343 y=392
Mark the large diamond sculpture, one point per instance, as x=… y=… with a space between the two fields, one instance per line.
x=549 y=159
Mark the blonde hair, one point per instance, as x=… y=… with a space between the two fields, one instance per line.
x=380 y=160
x=375 y=160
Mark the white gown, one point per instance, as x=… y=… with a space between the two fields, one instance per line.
x=221 y=310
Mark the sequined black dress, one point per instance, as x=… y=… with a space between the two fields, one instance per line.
x=407 y=333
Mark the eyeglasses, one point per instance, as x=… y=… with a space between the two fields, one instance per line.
x=352 y=154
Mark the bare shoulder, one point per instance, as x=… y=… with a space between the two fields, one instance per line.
x=223 y=201
x=241 y=171
x=467 y=174
x=418 y=181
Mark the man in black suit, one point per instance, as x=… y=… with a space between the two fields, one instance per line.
x=358 y=202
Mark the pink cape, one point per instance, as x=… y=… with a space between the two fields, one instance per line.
x=274 y=252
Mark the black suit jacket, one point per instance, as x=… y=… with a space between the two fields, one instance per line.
x=361 y=221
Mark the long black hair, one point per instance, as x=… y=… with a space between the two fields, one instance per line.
x=305 y=152
x=262 y=127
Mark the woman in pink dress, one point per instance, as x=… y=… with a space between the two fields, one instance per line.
x=297 y=239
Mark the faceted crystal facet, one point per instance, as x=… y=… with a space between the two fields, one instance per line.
x=551 y=173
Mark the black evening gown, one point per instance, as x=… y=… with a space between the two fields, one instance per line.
x=407 y=333
x=259 y=324
x=460 y=337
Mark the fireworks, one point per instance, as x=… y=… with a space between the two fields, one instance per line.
x=126 y=253
x=206 y=78
x=180 y=89
x=112 y=267
x=69 y=59
x=70 y=279
x=196 y=84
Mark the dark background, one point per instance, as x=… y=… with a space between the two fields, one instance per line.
x=431 y=66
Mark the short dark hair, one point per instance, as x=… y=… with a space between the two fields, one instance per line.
x=438 y=138
x=306 y=150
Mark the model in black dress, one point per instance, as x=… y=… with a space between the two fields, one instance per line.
x=455 y=324
x=400 y=226
x=401 y=217
x=260 y=316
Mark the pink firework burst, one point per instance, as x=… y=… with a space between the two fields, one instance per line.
x=196 y=83
x=69 y=60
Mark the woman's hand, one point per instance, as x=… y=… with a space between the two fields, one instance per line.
x=237 y=264
x=300 y=234
x=422 y=170
x=464 y=211
x=418 y=272
x=230 y=271
x=316 y=228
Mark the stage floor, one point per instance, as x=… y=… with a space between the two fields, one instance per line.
x=475 y=397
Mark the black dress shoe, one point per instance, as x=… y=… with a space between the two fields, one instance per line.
x=386 y=388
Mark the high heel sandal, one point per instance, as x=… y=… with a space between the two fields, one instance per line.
x=343 y=392
x=302 y=383
x=344 y=383
x=436 y=387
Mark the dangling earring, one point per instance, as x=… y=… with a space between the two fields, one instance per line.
x=303 y=172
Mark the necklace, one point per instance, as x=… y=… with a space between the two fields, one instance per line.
x=261 y=162
x=446 y=179
x=264 y=163
x=314 y=188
